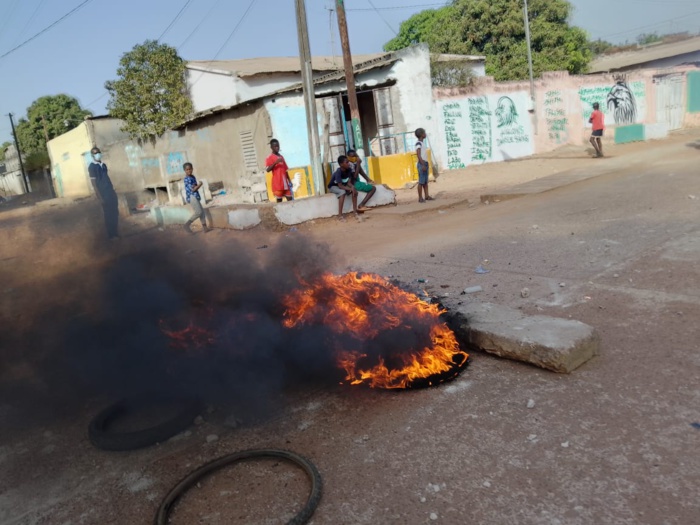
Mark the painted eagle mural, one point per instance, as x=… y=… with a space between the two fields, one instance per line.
x=506 y=114
x=622 y=103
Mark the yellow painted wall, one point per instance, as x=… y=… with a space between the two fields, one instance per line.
x=395 y=170
x=68 y=168
x=302 y=181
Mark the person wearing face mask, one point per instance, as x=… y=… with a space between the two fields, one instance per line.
x=367 y=186
x=101 y=183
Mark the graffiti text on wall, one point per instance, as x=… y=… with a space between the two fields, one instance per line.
x=555 y=115
x=450 y=114
x=479 y=118
x=624 y=102
x=485 y=129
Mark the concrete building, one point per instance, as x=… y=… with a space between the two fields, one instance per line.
x=11 y=182
x=655 y=56
x=247 y=103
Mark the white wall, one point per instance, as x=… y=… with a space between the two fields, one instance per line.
x=209 y=90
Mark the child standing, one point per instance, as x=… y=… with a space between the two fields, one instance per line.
x=423 y=166
x=281 y=185
x=193 y=197
x=598 y=122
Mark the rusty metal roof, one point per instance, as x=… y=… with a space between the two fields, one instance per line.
x=250 y=67
x=641 y=56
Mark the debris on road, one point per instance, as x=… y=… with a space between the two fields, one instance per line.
x=525 y=293
x=531 y=403
x=473 y=289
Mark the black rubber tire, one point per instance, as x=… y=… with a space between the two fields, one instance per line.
x=302 y=516
x=99 y=434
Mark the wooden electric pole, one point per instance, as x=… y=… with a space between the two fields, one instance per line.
x=19 y=155
x=350 y=78
x=307 y=80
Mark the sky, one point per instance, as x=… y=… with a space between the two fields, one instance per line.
x=81 y=52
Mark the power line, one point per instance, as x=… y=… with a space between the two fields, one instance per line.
x=393 y=8
x=649 y=25
x=69 y=13
x=383 y=19
x=9 y=16
x=31 y=19
x=177 y=17
x=211 y=9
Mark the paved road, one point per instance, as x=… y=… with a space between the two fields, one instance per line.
x=610 y=443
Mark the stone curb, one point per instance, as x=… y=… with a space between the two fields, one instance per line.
x=560 y=345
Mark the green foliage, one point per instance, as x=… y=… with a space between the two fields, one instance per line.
x=495 y=28
x=450 y=73
x=50 y=116
x=648 y=38
x=4 y=146
x=150 y=95
x=600 y=47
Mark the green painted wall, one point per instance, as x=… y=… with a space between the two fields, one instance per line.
x=694 y=92
x=633 y=133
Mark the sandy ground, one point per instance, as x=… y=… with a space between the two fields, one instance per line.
x=610 y=443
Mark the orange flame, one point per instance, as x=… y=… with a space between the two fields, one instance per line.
x=362 y=307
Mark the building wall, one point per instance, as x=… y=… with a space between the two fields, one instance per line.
x=70 y=155
x=209 y=90
x=664 y=63
x=491 y=121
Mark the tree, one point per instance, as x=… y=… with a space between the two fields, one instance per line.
x=150 y=95
x=47 y=117
x=3 y=147
x=600 y=47
x=495 y=28
x=648 y=38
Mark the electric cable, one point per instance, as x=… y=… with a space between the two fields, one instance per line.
x=31 y=19
x=51 y=25
x=177 y=17
x=383 y=19
x=211 y=9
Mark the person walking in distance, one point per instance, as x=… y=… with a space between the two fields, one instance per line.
x=101 y=183
x=597 y=120
x=281 y=185
x=423 y=167
x=193 y=197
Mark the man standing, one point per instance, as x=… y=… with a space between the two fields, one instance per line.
x=597 y=120
x=281 y=185
x=193 y=197
x=101 y=183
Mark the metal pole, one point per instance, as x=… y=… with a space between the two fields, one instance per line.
x=350 y=78
x=529 y=63
x=309 y=98
x=19 y=156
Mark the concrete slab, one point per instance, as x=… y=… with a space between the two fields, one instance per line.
x=560 y=345
x=244 y=218
x=325 y=206
x=168 y=215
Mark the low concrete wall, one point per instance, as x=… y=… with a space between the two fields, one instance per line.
x=242 y=217
x=632 y=133
x=325 y=206
x=395 y=170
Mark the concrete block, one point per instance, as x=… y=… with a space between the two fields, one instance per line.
x=560 y=345
x=301 y=210
x=258 y=187
x=631 y=133
x=656 y=131
x=217 y=217
x=167 y=215
x=244 y=218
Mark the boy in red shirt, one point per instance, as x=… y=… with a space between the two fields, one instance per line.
x=281 y=184
x=598 y=121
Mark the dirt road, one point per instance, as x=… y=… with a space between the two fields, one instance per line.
x=611 y=443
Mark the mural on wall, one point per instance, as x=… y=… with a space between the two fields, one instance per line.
x=623 y=103
x=555 y=117
x=175 y=160
x=485 y=129
x=133 y=153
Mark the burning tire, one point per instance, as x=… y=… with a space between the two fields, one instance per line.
x=104 y=439
x=302 y=516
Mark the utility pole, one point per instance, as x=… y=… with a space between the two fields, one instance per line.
x=529 y=64
x=307 y=81
x=350 y=78
x=46 y=131
x=19 y=155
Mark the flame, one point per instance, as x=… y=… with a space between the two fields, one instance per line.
x=195 y=336
x=372 y=316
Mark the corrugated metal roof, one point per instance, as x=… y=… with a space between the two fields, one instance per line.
x=250 y=67
x=644 y=55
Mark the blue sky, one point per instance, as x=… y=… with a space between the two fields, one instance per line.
x=80 y=53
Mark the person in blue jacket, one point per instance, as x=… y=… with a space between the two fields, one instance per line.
x=101 y=183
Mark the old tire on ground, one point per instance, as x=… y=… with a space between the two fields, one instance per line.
x=301 y=517
x=102 y=438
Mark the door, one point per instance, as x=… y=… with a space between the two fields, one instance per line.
x=669 y=100
x=385 y=121
x=336 y=131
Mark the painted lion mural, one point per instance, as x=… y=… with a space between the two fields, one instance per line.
x=622 y=103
